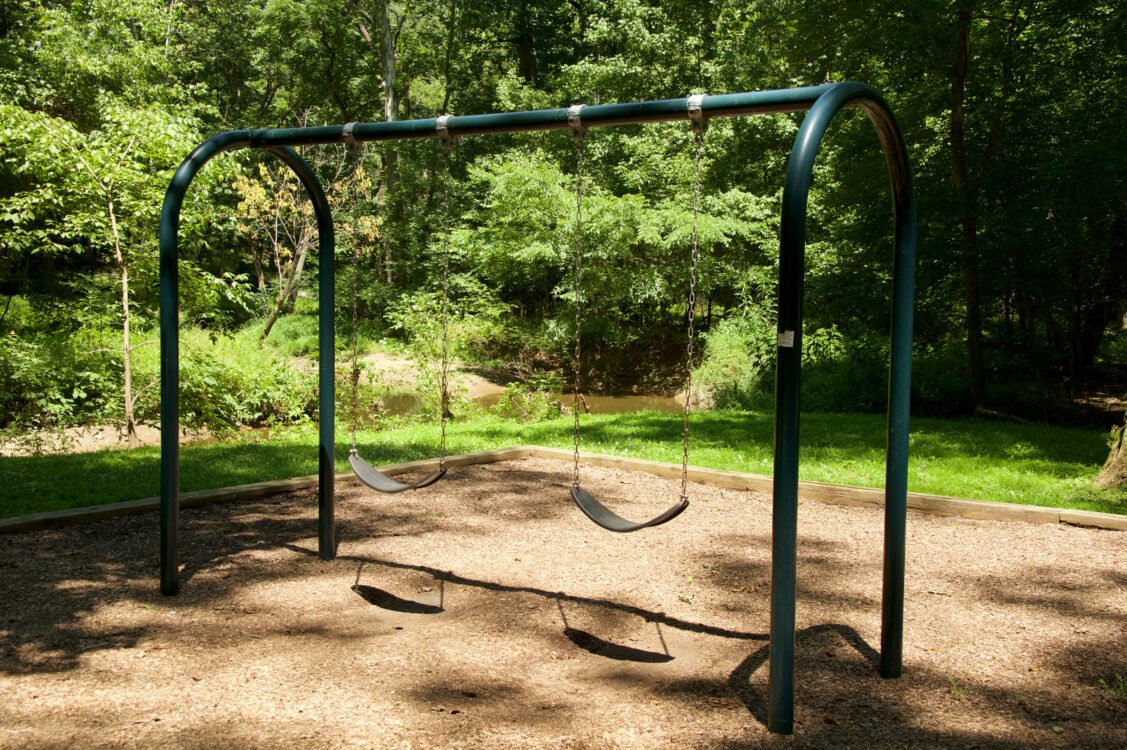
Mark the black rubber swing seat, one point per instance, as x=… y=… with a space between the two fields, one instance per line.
x=372 y=477
x=611 y=521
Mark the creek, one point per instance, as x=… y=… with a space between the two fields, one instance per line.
x=405 y=404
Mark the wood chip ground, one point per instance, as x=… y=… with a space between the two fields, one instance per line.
x=487 y=612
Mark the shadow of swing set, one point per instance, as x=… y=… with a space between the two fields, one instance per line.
x=821 y=104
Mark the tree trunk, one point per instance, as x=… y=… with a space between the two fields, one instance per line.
x=388 y=41
x=1114 y=472
x=388 y=57
x=967 y=213
x=126 y=349
x=259 y=275
x=288 y=287
x=526 y=47
x=450 y=29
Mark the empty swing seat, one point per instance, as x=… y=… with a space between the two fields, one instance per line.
x=380 y=482
x=611 y=521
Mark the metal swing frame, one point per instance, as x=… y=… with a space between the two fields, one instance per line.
x=822 y=103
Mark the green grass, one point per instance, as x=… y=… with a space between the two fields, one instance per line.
x=964 y=458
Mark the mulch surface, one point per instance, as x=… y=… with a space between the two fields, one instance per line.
x=487 y=612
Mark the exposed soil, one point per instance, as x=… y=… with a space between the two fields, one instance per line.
x=487 y=612
x=87 y=439
x=402 y=374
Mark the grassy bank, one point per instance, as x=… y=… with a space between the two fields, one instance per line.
x=964 y=458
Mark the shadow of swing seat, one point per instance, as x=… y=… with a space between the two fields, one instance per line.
x=387 y=600
x=380 y=482
x=600 y=647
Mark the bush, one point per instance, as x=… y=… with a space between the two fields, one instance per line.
x=230 y=381
x=474 y=312
x=839 y=374
x=739 y=360
x=292 y=335
x=54 y=379
x=537 y=400
x=63 y=379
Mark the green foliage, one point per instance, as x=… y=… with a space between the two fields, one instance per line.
x=739 y=361
x=474 y=316
x=54 y=380
x=101 y=101
x=537 y=400
x=292 y=335
x=1115 y=687
x=227 y=382
x=956 y=689
x=76 y=378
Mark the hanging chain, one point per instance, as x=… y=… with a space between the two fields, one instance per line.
x=355 y=375
x=355 y=153
x=698 y=140
x=578 y=272
x=447 y=145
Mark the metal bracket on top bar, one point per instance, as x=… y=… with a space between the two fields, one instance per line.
x=696 y=114
x=448 y=141
x=355 y=148
x=574 y=119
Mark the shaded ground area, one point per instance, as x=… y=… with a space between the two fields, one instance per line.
x=485 y=611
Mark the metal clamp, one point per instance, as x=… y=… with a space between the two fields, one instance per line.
x=448 y=141
x=696 y=114
x=574 y=120
x=354 y=147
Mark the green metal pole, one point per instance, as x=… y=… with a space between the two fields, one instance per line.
x=899 y=405
x=170 y=353
x=326 y=351
x=170 y=347
x=792 y=248
x=598 y=115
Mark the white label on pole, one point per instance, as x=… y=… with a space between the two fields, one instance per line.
x=786 y=339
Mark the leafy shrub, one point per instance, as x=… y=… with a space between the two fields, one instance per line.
x=292 y=335
x=53 y=379
x=15 y=312
x=739 y=359
x=368 y=413
x=475 y=319
x=230 y=381
x=28 y=392
x=839 y=374
x=537 y=400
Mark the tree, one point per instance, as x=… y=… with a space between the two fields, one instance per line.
x=281 y=215
x=1114 y=471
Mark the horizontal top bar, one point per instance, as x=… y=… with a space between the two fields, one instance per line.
x=663 y=110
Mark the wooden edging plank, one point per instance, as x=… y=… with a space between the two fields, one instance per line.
x=56 y=518
x=844 y=494
x=834 y=494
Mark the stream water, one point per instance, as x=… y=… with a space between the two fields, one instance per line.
x=597 y=404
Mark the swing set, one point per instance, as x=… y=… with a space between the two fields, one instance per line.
x=822 y=103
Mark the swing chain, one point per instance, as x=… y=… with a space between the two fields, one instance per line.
x=577 y=133
x=447 y=145
x=355 y=152
x=698 y=138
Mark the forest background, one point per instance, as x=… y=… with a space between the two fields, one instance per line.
x=1011 y=110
